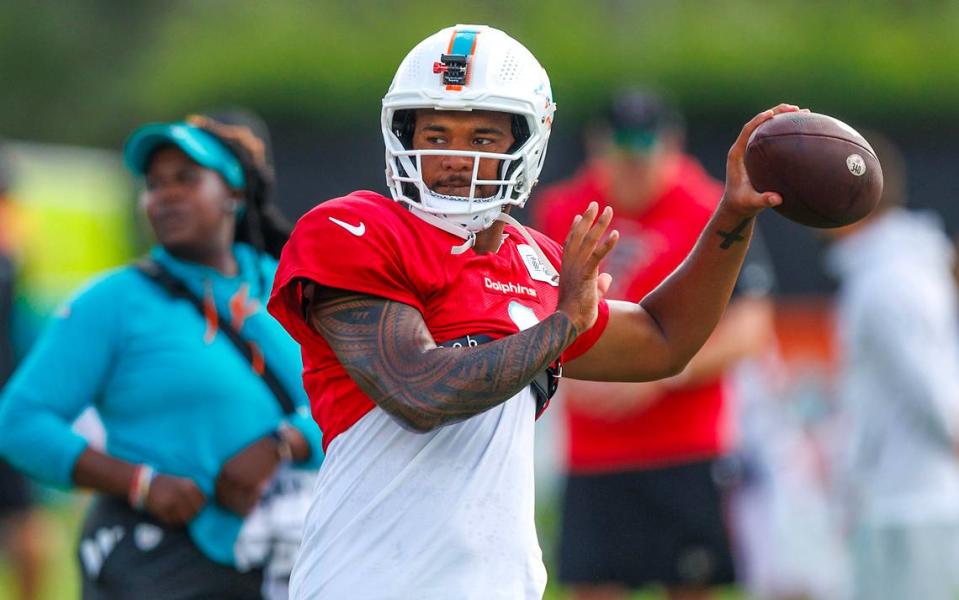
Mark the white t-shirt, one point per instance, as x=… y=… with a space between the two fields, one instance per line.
x=900 y=376
x=446 y=514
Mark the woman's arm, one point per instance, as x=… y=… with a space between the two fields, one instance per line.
x=62 y=375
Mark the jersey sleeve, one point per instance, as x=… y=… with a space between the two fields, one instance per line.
x=63 y=374
x=349 y=244
x=588 y=338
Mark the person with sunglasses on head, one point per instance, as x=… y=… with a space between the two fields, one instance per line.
x=197 y=386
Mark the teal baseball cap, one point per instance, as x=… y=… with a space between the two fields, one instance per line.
x=201 y=146
x=640 y=117
x=635 y=140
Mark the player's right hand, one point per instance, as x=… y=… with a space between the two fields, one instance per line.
x=581 y=285
x=174 y=500
x=739 y=194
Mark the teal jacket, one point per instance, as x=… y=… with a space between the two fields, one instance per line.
x=172 y=390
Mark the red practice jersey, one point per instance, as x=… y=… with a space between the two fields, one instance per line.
x=684 y=424
x=370 y=244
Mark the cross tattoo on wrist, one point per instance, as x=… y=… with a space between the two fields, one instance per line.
x=731 y=237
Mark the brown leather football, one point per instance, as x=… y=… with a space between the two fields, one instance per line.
x=827 y=174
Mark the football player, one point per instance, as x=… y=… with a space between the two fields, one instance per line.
x=433 y=327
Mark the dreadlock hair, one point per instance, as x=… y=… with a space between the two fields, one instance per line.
x=261 y=225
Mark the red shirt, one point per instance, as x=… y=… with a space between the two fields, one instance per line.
x=683 y=424
x=370 y=244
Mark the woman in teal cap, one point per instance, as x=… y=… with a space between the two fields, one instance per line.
x=197 y=386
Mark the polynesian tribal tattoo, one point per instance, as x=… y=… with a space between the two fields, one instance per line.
x=731 y=237
x=388 y=351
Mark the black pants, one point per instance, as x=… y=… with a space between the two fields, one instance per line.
x=635 y=528
x=127 y=554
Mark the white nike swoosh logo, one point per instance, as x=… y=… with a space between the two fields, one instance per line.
x=356 y=230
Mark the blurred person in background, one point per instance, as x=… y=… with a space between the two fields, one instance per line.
x=643 y=503
x=899 y=385
x=21 y=531
x=196 y=429
x=788 y=537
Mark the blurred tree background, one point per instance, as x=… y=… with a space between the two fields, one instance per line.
x=87 y=72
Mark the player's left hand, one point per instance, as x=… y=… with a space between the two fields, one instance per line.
x=581 y=285
x=245 y=476
x=740 y=196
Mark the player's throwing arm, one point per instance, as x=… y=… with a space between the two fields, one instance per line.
x=658 y=336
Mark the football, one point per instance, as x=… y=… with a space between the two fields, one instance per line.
x=827 y=174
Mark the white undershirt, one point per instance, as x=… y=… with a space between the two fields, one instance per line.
x=445 y=515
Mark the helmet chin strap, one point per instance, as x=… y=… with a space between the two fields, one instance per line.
x=448 y=227
x=547 y=266
x=470 y=237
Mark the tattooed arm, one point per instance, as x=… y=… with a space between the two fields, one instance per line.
x=387 y=348
x=388 y=351
x=657 y=337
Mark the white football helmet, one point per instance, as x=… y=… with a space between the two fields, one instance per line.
x=468 y=67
